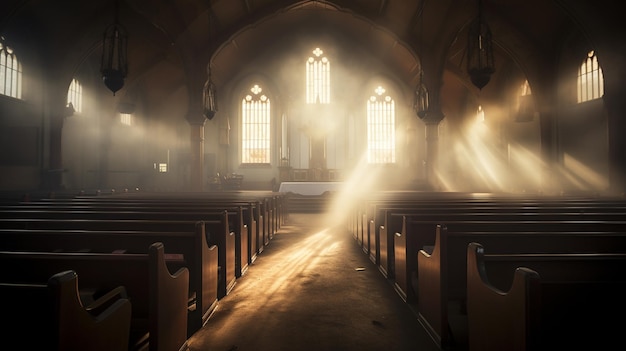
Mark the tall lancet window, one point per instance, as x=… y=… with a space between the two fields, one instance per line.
x=590 y=79
x=255 y=127
x=381 y=130
x=318 y=78
x=75 y=95
x=10 y=72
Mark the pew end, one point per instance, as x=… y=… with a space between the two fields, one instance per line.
x=169 y=331
x=559 y=301
x=431 y=296
x=60 y=317
x=497 y=319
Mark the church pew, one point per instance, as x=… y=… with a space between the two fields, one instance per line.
x=216 y=233
x=51 y=315
x=442 y=286
x=373 y=217
x=375 y=205
x=408 y=233
x=253 y=215
x=544 y=302
x=158 y=297
x=382 y=236
x=235 y=217
x=199 y=257
x=271 y=203
x=415 y=235
x=379 y=220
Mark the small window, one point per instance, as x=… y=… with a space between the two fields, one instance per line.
x=590 y=79
x=480 y=114
x=161 y=167
x=75 y=96
x=10 y=72
x=525 y=104
x=126 y=119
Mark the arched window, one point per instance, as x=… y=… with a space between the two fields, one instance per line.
x=317 y=78
x=381 y=135
x=255 y=127
x=524 y=89
x=10 y=72
x=75 y=95
x=480 y=114
x=590 y=79
x=525 y=104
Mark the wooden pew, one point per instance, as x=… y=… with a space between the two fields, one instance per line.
x=208 y=247
x=442 y=286
x=389 y=218
x=544 y=301
x=271 y=204
x=372 y=212
x=51 y=315
x=417 y=233
x=158 y=298
x=372 y=224
x=234 y=215
x=252 y=216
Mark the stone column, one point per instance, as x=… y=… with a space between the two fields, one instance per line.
x=53 y=179
x=616 y=110
x=196 y=141
x=612 y=63
x=432 y=119
x=551 y=154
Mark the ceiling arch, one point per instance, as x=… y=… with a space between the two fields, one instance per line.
x=173 y=38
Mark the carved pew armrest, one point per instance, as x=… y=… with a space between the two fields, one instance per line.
x=106 y=301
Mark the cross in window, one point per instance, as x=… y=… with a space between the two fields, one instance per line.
x=318 y=52
x=256 y=89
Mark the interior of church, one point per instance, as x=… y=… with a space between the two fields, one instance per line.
x=189 y=175
x=200 y=95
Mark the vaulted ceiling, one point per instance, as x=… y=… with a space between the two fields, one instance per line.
x=171 y=42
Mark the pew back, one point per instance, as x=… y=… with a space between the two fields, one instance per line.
x=198 y=256
x=563 y=301
x=441 y=279
x=50 y=315
x=158 y=298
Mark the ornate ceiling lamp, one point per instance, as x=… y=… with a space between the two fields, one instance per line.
x=209 y=99
x=480 y=62
x=114 y=64
x=420 y=102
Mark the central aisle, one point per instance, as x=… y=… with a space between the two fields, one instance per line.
x=312 y=289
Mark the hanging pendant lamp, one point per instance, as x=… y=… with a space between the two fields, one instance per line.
x=480 y=62
x=114 y=64
x=209 y=101
x=420 y=99
x=420 y=104
x=209 y=96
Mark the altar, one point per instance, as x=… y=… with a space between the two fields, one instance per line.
x=309 y=188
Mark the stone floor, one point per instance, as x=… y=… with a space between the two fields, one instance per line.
x=313 y=288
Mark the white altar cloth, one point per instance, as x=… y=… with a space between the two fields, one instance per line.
x=309 y=188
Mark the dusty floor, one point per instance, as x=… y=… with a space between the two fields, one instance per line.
x=313 y=288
